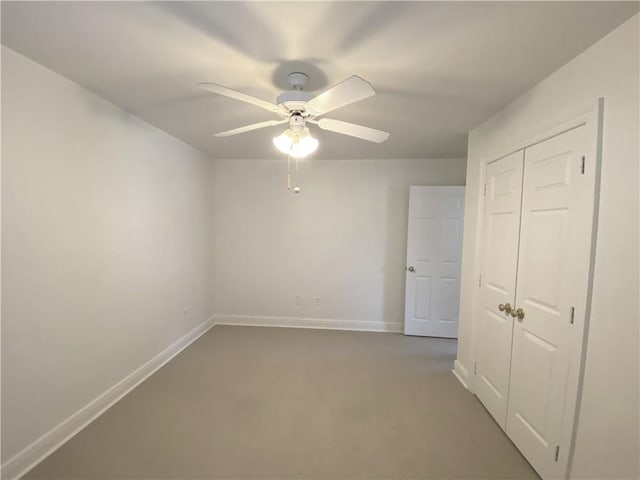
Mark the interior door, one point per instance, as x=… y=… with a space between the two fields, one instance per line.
x=434 y=251
x=555 y=246
x=501 y=230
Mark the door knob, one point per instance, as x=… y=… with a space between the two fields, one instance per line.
x=518 y=313
x=505 y=307
x=411 y=269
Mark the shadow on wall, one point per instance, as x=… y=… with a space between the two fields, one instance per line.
x=395 y=258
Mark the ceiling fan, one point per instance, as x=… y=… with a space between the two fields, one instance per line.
x=297 y=108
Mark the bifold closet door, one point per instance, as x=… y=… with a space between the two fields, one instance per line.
x=501 y=227
x=552 y=282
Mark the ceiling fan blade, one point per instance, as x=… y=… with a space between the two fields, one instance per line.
x=348 y=91
x=243 y=97
x=248 y=128
x=365 y=133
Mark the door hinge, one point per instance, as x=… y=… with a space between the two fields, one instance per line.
x=480 y=280
x=557 y=452
x=582 y=159
x=485 y=190
x=573 y=312
x=475 y=368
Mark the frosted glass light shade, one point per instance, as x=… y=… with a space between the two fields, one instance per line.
x=284 y=141
x=297 y=145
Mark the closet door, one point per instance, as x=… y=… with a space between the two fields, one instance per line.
x=552 y=282
x=501 y=226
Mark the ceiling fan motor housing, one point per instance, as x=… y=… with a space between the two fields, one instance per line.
x=294 y=100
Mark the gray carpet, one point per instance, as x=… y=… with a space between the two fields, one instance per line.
x=276 y=403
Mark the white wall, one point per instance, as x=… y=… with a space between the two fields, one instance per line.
x=607 y=444
x=342 y=239
x=105 y=224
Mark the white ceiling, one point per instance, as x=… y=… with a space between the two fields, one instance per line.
x=439 y=68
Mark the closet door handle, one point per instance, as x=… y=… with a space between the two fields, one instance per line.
x=505 y=307
x=518 y=313
x=411 y=269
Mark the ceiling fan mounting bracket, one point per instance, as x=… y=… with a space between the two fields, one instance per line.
x=297 y=80
x=295 y=100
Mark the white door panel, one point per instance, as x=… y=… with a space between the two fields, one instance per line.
x=500 y=257
x=434 y=249
x=555 y=242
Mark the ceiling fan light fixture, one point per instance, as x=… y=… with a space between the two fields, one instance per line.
x=297 y=144
x=284 y=141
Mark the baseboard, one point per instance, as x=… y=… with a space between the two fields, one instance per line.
x=317 y=323
x=461 y=374
x=28 y=458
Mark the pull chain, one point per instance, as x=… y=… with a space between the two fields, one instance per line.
x=296 y=189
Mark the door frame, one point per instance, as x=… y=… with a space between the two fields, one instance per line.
x=592 y=118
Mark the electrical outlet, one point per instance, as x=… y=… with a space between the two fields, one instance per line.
x=298 y=300
x=317 y=301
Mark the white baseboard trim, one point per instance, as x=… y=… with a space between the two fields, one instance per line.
x=317 y=323
x=28 y=458
x=461 y=374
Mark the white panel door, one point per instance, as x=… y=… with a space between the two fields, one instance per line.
x=501 y=229
x=553 y=272
x=434 y=251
